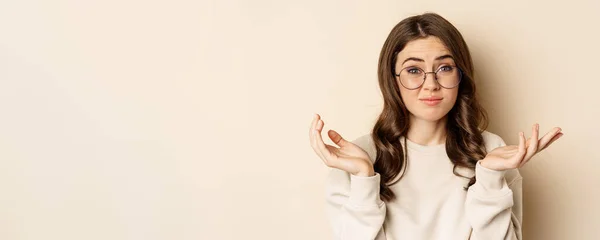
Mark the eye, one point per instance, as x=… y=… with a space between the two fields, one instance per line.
x=413 y=71
x=445 y=68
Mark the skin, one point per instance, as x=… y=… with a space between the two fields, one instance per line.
x=427 y=122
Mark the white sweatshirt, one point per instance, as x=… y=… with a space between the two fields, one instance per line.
x=431 y=201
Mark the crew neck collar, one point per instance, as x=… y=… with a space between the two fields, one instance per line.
x=423 y=148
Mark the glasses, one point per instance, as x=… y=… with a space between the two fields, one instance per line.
x=447 y=76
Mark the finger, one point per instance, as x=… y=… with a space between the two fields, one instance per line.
x=311 y=131
x=549 y=136
x=326 y=155
x=533 y=146
x=552 y=140
x=320 y=124
x=313 y=124
x=315 y=134
x=337 y=138
x=315 y=144
x=315 y=121
x=522 y=150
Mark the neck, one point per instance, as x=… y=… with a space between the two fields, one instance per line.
x=427 y=133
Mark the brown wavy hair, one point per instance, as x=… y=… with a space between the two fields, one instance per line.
x=466 y=121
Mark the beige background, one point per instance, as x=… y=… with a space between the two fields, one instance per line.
x=189 y=120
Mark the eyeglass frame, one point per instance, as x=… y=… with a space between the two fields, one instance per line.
x=460 y=74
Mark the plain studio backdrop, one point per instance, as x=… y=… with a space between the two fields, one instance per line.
x=189 y=120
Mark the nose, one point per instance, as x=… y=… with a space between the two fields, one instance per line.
x=430 y=82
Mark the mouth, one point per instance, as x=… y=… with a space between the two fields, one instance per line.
x=430 y=98
x=431 y=101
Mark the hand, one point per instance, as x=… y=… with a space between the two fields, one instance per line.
x=348 y=157
x=510 y=157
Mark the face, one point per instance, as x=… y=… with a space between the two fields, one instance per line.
x=429 y=54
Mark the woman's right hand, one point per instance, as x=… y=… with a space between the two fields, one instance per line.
x=348 y=157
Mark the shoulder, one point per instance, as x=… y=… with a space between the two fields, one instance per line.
x=366 y=143
x=493 y=141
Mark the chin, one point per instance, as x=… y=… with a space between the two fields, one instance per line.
x=432 y=116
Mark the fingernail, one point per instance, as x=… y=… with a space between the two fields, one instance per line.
x=537 y=126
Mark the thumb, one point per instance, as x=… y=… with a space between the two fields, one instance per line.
x=337 y=138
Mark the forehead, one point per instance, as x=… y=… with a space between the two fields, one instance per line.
x=424 y=48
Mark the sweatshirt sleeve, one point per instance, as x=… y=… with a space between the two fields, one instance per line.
x=494 y=206
x=353 y=206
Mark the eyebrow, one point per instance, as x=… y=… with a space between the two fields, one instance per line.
x=421 y=60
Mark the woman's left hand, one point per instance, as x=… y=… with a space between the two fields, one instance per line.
x=511 y=156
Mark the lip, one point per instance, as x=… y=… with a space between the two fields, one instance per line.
x=431 y=101
x=431 y=98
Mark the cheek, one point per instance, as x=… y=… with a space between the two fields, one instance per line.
x=405 y=95
x=452 y=96
x=410 y=99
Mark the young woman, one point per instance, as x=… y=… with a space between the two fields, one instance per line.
x=428 y=169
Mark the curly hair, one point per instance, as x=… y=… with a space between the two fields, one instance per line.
x=466 y=121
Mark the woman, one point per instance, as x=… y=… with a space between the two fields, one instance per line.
x=428 y=169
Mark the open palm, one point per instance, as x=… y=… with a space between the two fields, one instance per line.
x=512 y=156
x=348 y=157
